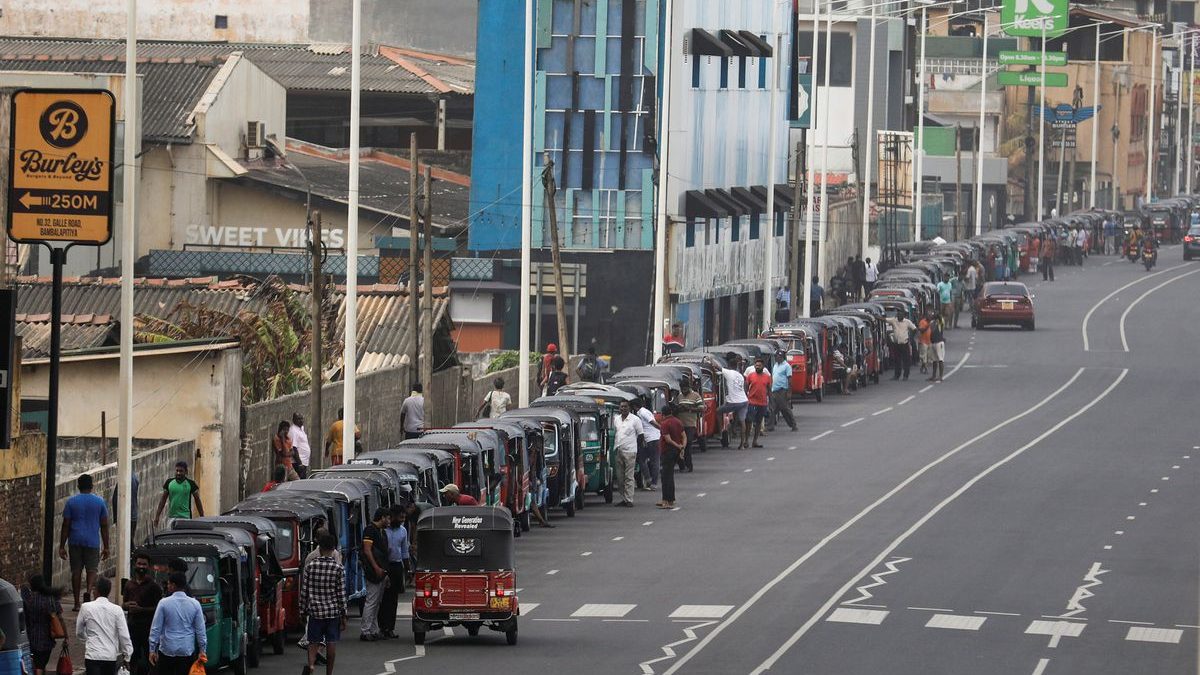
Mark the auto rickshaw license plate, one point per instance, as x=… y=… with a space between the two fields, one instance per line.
x=500 y=603
x=464 y=616
x=1006 y=305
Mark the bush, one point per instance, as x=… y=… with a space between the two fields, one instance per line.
x=511 y=359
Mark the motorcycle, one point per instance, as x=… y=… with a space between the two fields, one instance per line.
x=1149 y=258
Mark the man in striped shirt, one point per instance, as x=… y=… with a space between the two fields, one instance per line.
x=323 y=599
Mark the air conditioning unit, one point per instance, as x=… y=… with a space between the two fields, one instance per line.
x=256 y=135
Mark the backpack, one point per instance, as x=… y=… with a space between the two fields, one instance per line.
x=588 y=369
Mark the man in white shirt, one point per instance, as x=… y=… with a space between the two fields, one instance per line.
x=902 y=330
x=648 y=459
x=102 y=629
x=872 y=274
x=412 y=413
x=628 y=434
x=299 y=438
x=736 y=401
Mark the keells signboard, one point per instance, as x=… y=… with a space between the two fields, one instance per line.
x=60 y=169
x=1029 y=18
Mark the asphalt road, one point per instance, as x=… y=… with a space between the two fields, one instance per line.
x=1031 y=514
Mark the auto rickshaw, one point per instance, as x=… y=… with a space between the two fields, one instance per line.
x=268 y=572
x=514 y=467
x=217 y=577
x=564 y=465
x=466 y=573
x=466 y=464
x=445 y=462
x=355 y=506
x=386 y=479
x=481 y=453
x=599 y=454
x=800 y=345
x=423 y=469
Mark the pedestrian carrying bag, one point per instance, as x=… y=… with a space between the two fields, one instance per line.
x=198 y=667
x=57 y=630
x=65 y=667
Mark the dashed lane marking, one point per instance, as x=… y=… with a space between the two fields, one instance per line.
x=701 y=494
x=701 y=611
x=770 y=459
x=873 y=617
x=980 y=611
x=625 y=620
x=558 y=620
x=648 y=523
x=1155 y=490
x=853 y=422
x=1135 y=623
x=931 y=609
x=1119 y=532
x=880 y=412
x=1108 y=547
x=1144 y=634
x=552 y=572
x=724 y=482
x=821 y=435
x=1175 y=466
x=527 y=607
x=747 y=470
x=792 y=447
x=925 y=388
x=955 y=622
x=585 y=554
x=906 y=400
x=618 y=538
x=602 y=611
x=1041 y=666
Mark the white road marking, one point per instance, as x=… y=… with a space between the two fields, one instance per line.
x=821 y=435
x=594 y=610
x=980 y=611
x=1088 y=317
x=1187 y=456
x=747 y=470
x=1144 y=634
x=1141 y=503
x=770 y=661
x=724 y=482
x=880 y=412
x=1124 y=342
x=1135 y=623
x=1184 y=625
x=419 y=652
x=552 y=572
x=1154 y=490
x=1055 y=629
x=1092 y=578
x=1175 y=466
x=648 y=523
x=701 y=494
x=674 y=508
x=585 y=554
x=1041 y=666
x=906 y=400
x=925 y=388
x=955 y=622
x=853 y=422
x=669 y=648
x=931 y=609
x=625 y=620
x=848 y=615
x=864 y=591
x=791 y=447
x=1108 y=547
x=770 y=459
x=527 y=607
x=1130 y=517
x=558 y=620
x=700 y=611
x=1119 y=532
x=618 y=538
x=993 y=365
x=1166 y=478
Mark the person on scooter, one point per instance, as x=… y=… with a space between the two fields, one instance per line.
x=1150 y=250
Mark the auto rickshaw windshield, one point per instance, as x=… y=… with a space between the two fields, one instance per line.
x=550 y=443
x=201 y=574
x=589 y=428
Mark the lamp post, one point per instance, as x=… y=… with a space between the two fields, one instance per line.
x=918 y=190
x=1096 y=119
x=1041 y=179
x=1150 y=154
x=979 y=132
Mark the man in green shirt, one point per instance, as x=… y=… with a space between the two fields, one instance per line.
x=178 y=493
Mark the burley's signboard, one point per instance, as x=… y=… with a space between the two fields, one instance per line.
x=60 y=167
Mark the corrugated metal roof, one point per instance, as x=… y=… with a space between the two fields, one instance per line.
x=35 y=335
x=171 y=89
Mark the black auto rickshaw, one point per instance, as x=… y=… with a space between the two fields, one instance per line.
x=560 y=455
x=465 y=575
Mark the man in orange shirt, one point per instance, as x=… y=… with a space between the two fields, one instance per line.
x=758 y=392
x=333 y=440
x=923 y=338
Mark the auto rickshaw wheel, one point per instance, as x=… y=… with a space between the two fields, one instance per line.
x=239 y=664
x=725 y=438
x=579 y=500
x=525 y=520
x=570 y=507
x=511 y=636
x=419 y=637
x=278 y=638
x=607 y=493
x=253 y=652
x=473 y=629
x=820 y=393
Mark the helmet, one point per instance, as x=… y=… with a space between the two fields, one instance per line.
x=551 y=347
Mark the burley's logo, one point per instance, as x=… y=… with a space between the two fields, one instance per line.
x=63 y=124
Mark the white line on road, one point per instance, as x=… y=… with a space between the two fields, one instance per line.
x=925 y=388
x=1119 y=532
x=701 y=494
x=770 y=661
x=931 y=609
x=1108 y=547
x=906 y=400
x=1175 y=467
x=558 y=620
x=1088 y=317
x=955 y=622
x=1057 y=630
x=770 y=585
x=980 y=611
x=527 y=607
x=585 y=554
x=1141 y=503
x=596 y=610
x=880 y=412
x=747 y=470
x=1143 y=634
x=770 y=459
x=848 y=615
x=791 y=447
x=618 y=538
x=700 y=611
x=1041 y=666
x=389 y=666
x=1166 y=478
x=648 y=523
x=1135 y=623
x=625 y=620
x=853 y=422
x=821 y=435
x=1130 y=517
x=724 y=482
x=669 y=648
x=552 y=572
x=1124 y=342
x=1154 y=490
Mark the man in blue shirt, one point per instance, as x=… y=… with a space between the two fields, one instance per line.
x=177 y=633
x=781 y=392
x=397 y=539
x=84 y=537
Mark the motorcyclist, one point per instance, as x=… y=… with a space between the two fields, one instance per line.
x=1150 y=248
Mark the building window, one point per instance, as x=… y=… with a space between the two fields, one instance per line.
x=762 y=73
x=689 y=237
x=735 y=228
x=724 y=73
x=779 y=223
x=695 y=73
x=754 y=225
x=742 y=72
x=841 y=57
x=221 y=22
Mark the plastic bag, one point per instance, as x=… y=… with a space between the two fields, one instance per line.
x=198 y=667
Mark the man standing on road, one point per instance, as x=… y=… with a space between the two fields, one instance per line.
x=923 y=338
x=177 y=633
x=412 y=413
x=648 y=458
x=674 y=442
x=945 y=291
x=140 y=595
x=970 y=282
x=902 y=330
x=101 y=627
x=84 y=538
x=628 y=436
x=299 y=438
x=689 y=409
x=758 y=392
x=323 y=599
x=937 y=350
x=1046 y=257
x=1110 y=235
x=872 y=276
x=858 y=276
x=375 y=571
x=397 y=539
x=735 y=398
x=781 y=392
x=178 y=494
x=816 y=296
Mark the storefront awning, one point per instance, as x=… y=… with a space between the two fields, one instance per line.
x=757 y=43
x=783 y=195
x=704 y=43
x=750 y=199
x=737 y=43
x=732 y=206
x=697 y=205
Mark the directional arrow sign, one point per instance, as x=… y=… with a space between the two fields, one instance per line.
x=1029 y=18
x=803 y=102
x=1032 y=58
x=1016 y=78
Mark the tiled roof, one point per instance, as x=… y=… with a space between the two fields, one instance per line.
x=171 y=89
x=90 y=306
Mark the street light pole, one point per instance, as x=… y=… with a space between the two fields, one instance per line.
x=1153 y=120
x=1178 y=123
x=663 y=218
x=814 y=118
x=1095 y=119
x=868 y=143
x=920 y=146
x=1191 y=111
x=979 y=133
x=1042 y=130
x=768 y=233
x=825 y=124
x=350 y=360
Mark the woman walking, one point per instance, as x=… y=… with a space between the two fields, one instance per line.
x=41 y=610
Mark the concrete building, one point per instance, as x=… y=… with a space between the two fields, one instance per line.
x=433 y=25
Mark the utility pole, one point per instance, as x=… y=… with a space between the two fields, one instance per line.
x=958 y=205
x=427 y=308
x=414 y=315
x=316 y=460
x=560 y=305
x=793 y=244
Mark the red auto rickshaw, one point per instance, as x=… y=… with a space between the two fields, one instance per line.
x=804 y=343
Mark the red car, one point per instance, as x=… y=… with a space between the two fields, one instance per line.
x=1004 y=302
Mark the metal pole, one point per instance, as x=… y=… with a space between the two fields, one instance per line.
x=918 y=215
x=128 y=254
x=793 y=246
x=1178 y=124
x=526 y=207
x=1191 y=112
x=979 y=133
x=57 y=257
x=1153 y=121
x=869 y=141
x=1095 y=119
x=427 y=297
x=350 y=359
x=1042 y=131
x=414 y=238
x=316 y=459
x=824 y=222
x=768 y=298
x=812 y=181
x=662 y=218
x=560 y=300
